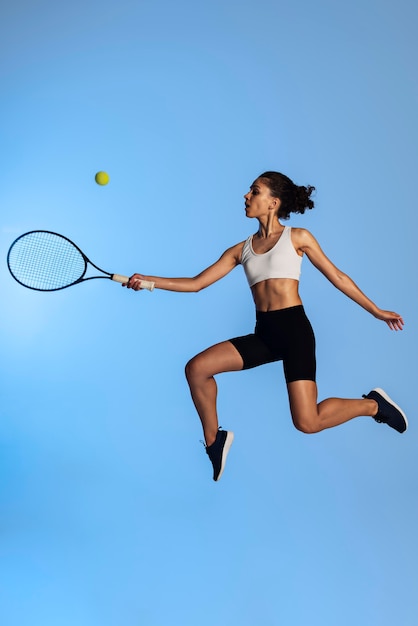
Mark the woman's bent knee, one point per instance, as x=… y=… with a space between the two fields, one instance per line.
x=197 y=368
x=191 y=368
x=308 y=425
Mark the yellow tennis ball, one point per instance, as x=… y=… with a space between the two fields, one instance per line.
x=102 y=178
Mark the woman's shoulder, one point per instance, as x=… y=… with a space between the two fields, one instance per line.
x=236 y=250
x=302 y=238
x=301 y=234
x=241 y=244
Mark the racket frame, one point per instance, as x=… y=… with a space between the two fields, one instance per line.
x=116 y=277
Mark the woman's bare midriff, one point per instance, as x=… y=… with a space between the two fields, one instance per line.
x=276 y=293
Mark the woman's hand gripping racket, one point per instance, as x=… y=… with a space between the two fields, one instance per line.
x=47 y=261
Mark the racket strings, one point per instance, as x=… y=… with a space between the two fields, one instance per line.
x=46 y=261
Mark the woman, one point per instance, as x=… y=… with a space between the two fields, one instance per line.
x=272 y=259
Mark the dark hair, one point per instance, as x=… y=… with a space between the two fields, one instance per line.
x=294 y=198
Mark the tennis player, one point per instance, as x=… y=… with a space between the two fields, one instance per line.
x=272 y=259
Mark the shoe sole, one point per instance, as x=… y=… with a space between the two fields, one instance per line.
x=228 y=443
x=386 y=397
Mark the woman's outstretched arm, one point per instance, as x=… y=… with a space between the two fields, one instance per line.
x=307 y=243
x=229 y=259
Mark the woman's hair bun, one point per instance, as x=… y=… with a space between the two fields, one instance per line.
x=294 y=198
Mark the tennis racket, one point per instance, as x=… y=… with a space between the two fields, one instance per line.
x=47 y=261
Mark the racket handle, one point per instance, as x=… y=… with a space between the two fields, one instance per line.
x=145 y=284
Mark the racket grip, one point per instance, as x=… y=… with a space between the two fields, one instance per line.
x=145 y=284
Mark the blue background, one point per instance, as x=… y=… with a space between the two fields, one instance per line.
x=108 y=514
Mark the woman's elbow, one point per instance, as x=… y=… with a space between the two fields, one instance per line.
x=340 y=279
x=197 y=285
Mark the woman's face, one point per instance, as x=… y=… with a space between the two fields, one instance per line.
x=259 y=201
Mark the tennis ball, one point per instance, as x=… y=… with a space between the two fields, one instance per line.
x=102 y=178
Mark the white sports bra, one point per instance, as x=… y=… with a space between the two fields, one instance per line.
x=282 y=261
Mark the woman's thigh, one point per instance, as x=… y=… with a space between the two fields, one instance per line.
x=222 y=357
x=303 y=398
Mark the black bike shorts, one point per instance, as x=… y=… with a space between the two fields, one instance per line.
x=284 y=335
